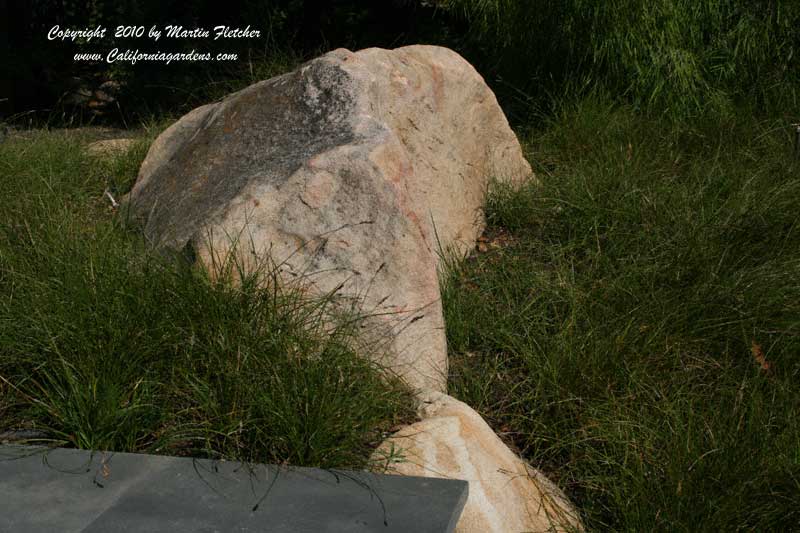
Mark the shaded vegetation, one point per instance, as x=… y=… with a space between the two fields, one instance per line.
x=680 y=58
x=675 y=57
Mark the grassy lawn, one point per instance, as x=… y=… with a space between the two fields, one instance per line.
x=106 y=345
x=632 y=326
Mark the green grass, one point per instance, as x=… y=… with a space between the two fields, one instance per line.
x=105 y=344
x=620 y=339
x=633 y=328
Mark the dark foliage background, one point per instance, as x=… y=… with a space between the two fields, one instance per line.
x=39 y=75
x=678 y=57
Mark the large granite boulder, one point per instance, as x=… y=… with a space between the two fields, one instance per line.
x=352 y=172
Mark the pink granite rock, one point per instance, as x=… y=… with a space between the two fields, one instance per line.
x=353 y=171
x=505 y=493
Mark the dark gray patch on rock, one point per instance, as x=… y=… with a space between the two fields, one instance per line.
x=264 y=132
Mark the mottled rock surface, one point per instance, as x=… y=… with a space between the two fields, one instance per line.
x=352 y=171
x=505 y=493
x=110 y=147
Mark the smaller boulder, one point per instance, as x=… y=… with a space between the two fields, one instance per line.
x=505 y=493
x=110 y=147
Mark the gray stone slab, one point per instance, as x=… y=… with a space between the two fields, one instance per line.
x=67 y=490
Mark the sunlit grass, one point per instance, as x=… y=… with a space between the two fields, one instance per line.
x=107 y=344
